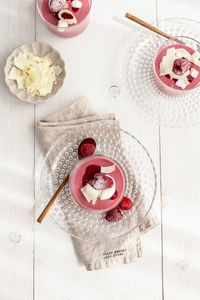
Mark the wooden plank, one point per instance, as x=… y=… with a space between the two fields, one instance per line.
x=180 y=181
x=181 y=208
x=59 y=272
x=16 y=163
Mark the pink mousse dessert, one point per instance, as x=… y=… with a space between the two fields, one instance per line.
x=177 y=66
x=97 y=183
x=65 y=18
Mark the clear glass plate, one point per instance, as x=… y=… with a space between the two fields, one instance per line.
x=62 y=158
x=139 y=84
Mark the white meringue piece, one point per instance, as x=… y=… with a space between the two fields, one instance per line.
x=77 y=4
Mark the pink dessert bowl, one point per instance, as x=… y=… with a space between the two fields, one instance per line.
x=190 y=42
x=101 y=206
x=68 y=32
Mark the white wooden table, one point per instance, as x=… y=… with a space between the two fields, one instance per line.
x=39 y=262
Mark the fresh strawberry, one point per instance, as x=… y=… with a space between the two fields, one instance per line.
x=89 y=174
x=126 y=203
x=87 y=150
x=114 y=215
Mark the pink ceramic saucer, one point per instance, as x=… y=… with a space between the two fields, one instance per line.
x=75 y=183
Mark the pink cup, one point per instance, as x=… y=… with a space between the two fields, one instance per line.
x=162 y=83
x=73 y=30
x=75 y=183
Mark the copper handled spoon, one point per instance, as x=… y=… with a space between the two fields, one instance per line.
x=152 y=28
x=52 y=200
x=147 y=25
x=66 y=179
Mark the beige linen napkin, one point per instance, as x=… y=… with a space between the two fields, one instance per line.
x=95 y=255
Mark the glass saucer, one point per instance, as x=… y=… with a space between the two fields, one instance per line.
x=62 y=158
x=138 y=82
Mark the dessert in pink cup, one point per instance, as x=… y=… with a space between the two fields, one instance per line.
x=177 y=64
x=66 y=18
x=97 y=183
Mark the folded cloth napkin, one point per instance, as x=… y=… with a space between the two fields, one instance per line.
x=95 y=255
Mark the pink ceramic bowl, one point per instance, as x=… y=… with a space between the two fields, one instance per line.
x=75 y=183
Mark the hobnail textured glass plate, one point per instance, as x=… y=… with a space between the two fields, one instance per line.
x=139 y=83
x=61 y=159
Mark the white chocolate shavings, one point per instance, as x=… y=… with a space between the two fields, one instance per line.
x=180 y=52
x=33 y=74
x=107 y=193
x=167 y=63
x=77 y=4
x=92 y=194
x=71 y=21
x=108 y=169
x=195 y=58
x=62 y=24
x=194 y=73
x=183 y=82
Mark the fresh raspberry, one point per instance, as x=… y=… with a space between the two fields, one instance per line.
x=114 y=196
x=190 y=78
x=67 y=16
x=181 y=65
x=89 y=141
x=57 y=5
x=126 y=204
x=104 y=180
x=98 y=182
x=114 y=215
x=89 y=173
x=75 y=9
x=109 y=181
x=86 y=148
x=56 y=16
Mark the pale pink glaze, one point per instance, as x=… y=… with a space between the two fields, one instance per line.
x=169 y=82
x=82 y=16
x=76 y=183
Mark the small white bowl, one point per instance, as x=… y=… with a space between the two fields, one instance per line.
x=38 y=49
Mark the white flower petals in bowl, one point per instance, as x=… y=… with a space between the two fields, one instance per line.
x=34 y=72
